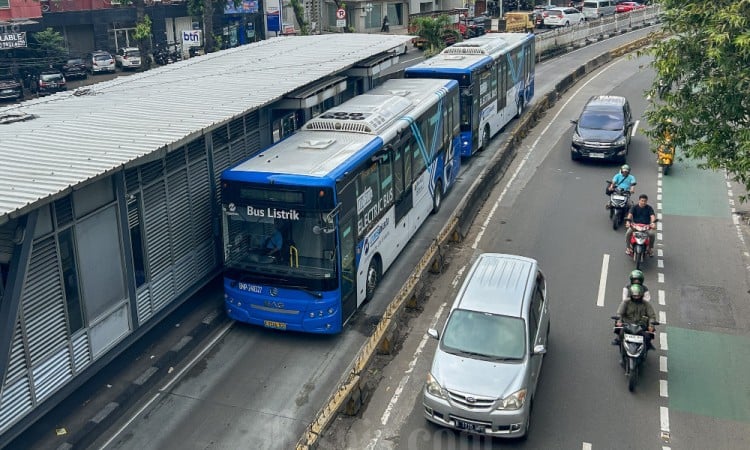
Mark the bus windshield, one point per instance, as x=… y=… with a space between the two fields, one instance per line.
x=279 y=246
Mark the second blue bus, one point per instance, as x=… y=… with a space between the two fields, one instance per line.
x=311 y=224
x=496 y=75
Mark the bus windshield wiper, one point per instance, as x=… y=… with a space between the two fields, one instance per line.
x=304 y=289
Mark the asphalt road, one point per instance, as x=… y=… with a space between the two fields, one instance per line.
x=249 y=385
x=693 y=393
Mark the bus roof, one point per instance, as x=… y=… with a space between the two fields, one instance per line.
x=327 y=146
x=471 y=53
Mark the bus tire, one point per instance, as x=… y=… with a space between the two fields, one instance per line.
x=437 y=199
x=519 y=107
x=372 y=279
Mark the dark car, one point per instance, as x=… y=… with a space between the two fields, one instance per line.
x=48 y=82
x=603 y=129
x=74 y=68
x=10 y=88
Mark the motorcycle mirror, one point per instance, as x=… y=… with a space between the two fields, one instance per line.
x=574 y=121
x=615 y=317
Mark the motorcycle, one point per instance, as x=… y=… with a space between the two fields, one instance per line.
x=633 y=349
x=618 y=206
x=639 y=242
x=665 y=157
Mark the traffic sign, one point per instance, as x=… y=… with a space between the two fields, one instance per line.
x=341 y=13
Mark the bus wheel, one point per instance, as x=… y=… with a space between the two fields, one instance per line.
x=373 y=278
x=519 y=107
x=437 y=199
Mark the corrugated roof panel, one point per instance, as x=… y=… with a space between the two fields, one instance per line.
x=79 y=135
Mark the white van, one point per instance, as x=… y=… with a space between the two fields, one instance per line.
x=594 y=9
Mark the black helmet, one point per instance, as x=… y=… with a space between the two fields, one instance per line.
x=636 y=277
x=636 y=292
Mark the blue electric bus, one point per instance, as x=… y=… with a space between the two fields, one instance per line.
x=496 y=75
x=311 y=224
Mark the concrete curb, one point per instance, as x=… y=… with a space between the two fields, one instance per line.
x=349 y=396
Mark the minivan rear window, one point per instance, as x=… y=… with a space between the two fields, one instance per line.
x=601 y=120
x=481 y=334
x=132 y=53
x=102 y=57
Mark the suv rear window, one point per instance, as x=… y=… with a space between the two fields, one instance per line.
x=132 y=53
x=102 y=57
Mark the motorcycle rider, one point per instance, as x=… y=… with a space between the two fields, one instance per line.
x=622 y=180
x=636 y=277
x=641 y=213
x=635 y=310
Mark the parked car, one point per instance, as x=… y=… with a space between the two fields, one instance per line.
x=596 y=9
x=603 y=129
x=128 y=58
x=562 y=17
x=484 y=374
x=48 y=82
x=74 y=68
x=539 y=15
x=10 y=88
x=100 y=61
x=624 y=7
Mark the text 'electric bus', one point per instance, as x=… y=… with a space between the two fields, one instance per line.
x=496 y=75
x=311 y=224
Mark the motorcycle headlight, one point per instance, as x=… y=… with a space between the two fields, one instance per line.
x=621 y=141
x=513 y=401
x=434 y=388
x=577 y=139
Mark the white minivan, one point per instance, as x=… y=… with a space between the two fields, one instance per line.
x=594 y=9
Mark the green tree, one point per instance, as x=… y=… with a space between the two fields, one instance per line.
x=299 y=14
x=50 y=47
x=701 y=93
x=435 y=31
x=142 y=35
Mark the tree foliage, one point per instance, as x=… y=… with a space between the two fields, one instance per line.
x=299 y=14
x=50 y=43
x=434 y=30
x=703 y=78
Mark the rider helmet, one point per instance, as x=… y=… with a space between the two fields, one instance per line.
x=636 y=277
x=625 y=168
x=636 y=292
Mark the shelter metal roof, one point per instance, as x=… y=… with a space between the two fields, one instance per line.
x=80 y=135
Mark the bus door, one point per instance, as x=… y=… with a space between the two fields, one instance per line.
x=348 y=227
x=401 y=156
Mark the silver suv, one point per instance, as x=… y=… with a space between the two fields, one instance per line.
x=485 y=370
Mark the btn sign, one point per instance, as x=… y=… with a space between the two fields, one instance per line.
x=191 y=38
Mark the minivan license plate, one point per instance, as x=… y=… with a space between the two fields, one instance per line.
x=468 y=426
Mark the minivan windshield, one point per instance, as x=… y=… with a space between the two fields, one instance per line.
x=485 y=335
x=601 y=120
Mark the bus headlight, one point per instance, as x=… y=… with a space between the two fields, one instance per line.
x=312 y=314
x=331 y=311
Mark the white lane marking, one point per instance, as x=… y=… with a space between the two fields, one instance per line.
x=658 y=236
x=460 y=272
x=663 y=341
x=661 y=297
x=658 y=206
x=660 y=277
x=662 y=317
x=397 y=393
x=658 y=226
x=663 y=364
x=664 y=418
x=658 y=197
x=586 y=446
x=658 y=216
x=201 y=354
x=730 y=193
x=658 y=180
x=483 y=228
x=729 y=185
x=659 y=252
x=663 y=388
x=603 y=280
x=658 y=190
x=635 y=127
x=660 y=263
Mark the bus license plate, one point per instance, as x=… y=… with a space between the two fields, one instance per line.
x=276 y=325
x=468 y=426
